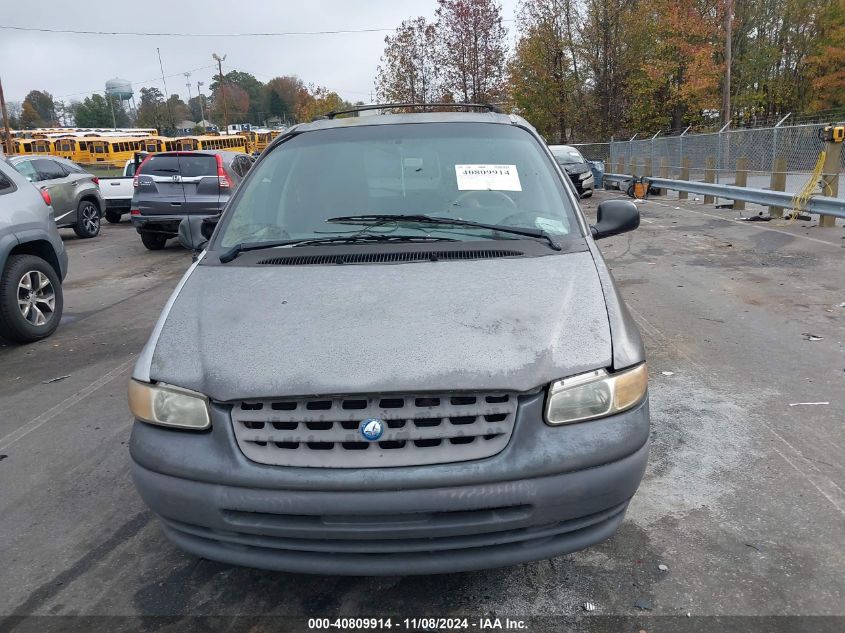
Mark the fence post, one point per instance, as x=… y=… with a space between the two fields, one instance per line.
x=830 y=178
x=720 y=160
x=778 y=183
x=664 y=172
x=741 y=180
x=685 y=162
x=710 y=176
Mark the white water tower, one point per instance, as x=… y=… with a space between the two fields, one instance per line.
x=122 y=89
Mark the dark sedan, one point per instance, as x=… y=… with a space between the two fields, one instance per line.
x=576 y=167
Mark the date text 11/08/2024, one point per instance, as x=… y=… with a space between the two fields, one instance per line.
x=414 y=624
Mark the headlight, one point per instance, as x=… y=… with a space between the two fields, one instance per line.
x=586 y=174
x=595 y=395
x=168 y=406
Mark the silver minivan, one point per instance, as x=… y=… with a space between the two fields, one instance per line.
x=398 y=352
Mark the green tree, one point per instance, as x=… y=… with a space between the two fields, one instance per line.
x=96 y=111
x=199 y=108
x=177 y=110
x=152 y=111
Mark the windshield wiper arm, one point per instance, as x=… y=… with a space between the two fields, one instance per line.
x=378 y=218
x=243 y=247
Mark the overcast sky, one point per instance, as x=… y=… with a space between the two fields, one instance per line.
x=71 y=66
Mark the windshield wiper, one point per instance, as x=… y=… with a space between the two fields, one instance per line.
x=243 y=247
x=378 y=218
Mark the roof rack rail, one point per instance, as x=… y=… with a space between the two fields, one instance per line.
x=387 y=106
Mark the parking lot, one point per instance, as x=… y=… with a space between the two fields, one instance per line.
x=741 y=513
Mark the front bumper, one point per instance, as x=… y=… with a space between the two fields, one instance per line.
x=583 y=186
x=549 y=492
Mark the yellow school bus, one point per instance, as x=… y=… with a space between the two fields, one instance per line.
x=31 y=145
x=69 y=146
x=116 y=150
x=258 y=140
x=233 y=143
x=181 y=144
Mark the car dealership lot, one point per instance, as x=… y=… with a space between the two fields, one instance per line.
x=743 y=501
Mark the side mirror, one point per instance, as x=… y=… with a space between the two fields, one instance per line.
x=208 y=225
x=614 y=217
x=191 y=234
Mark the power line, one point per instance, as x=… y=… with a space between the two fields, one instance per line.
x=135 y=83
x=141 y=33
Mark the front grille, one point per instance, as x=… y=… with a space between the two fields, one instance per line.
x=419 y=429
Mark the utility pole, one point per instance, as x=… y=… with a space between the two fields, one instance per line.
x=726 y=89
x=188 y=78
x=200 y=84
x=220 y=61
x=5 y=120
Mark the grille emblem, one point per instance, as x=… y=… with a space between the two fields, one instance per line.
x=371 y=428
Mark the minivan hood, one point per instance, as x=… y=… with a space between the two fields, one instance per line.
x=236 y=332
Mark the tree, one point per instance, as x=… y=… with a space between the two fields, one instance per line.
x=471 y=49
x=29 y=116
x=545 y=82
x=235 y=107
x=199 y=108
x=408 y=71
x=826 y=66
x=96 y=111
x=39 y=110
x=239 y=81
x=284 y=96
x=177 y=110
x=317 y=102
x=152 y=111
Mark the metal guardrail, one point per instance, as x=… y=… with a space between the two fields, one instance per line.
x=821 y=205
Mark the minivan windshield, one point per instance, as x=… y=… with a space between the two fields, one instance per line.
x=487 y=173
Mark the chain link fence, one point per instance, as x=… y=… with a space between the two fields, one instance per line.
x=797 y=146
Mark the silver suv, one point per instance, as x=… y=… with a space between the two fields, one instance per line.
x=399 y=352
x=33 y=261
x=75 y=193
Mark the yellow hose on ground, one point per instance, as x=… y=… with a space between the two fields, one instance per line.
x=800 y=200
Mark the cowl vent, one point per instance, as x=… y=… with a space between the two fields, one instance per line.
x=386 y=258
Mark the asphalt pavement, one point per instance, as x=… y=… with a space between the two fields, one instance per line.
x=741 y=512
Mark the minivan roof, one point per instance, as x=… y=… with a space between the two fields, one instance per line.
x=412 y=117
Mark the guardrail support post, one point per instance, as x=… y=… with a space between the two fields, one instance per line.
x=664 y=172
x=831 y=179
x=741 y=180
x=685 y=162
x=778 y=183
x=710 y=176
